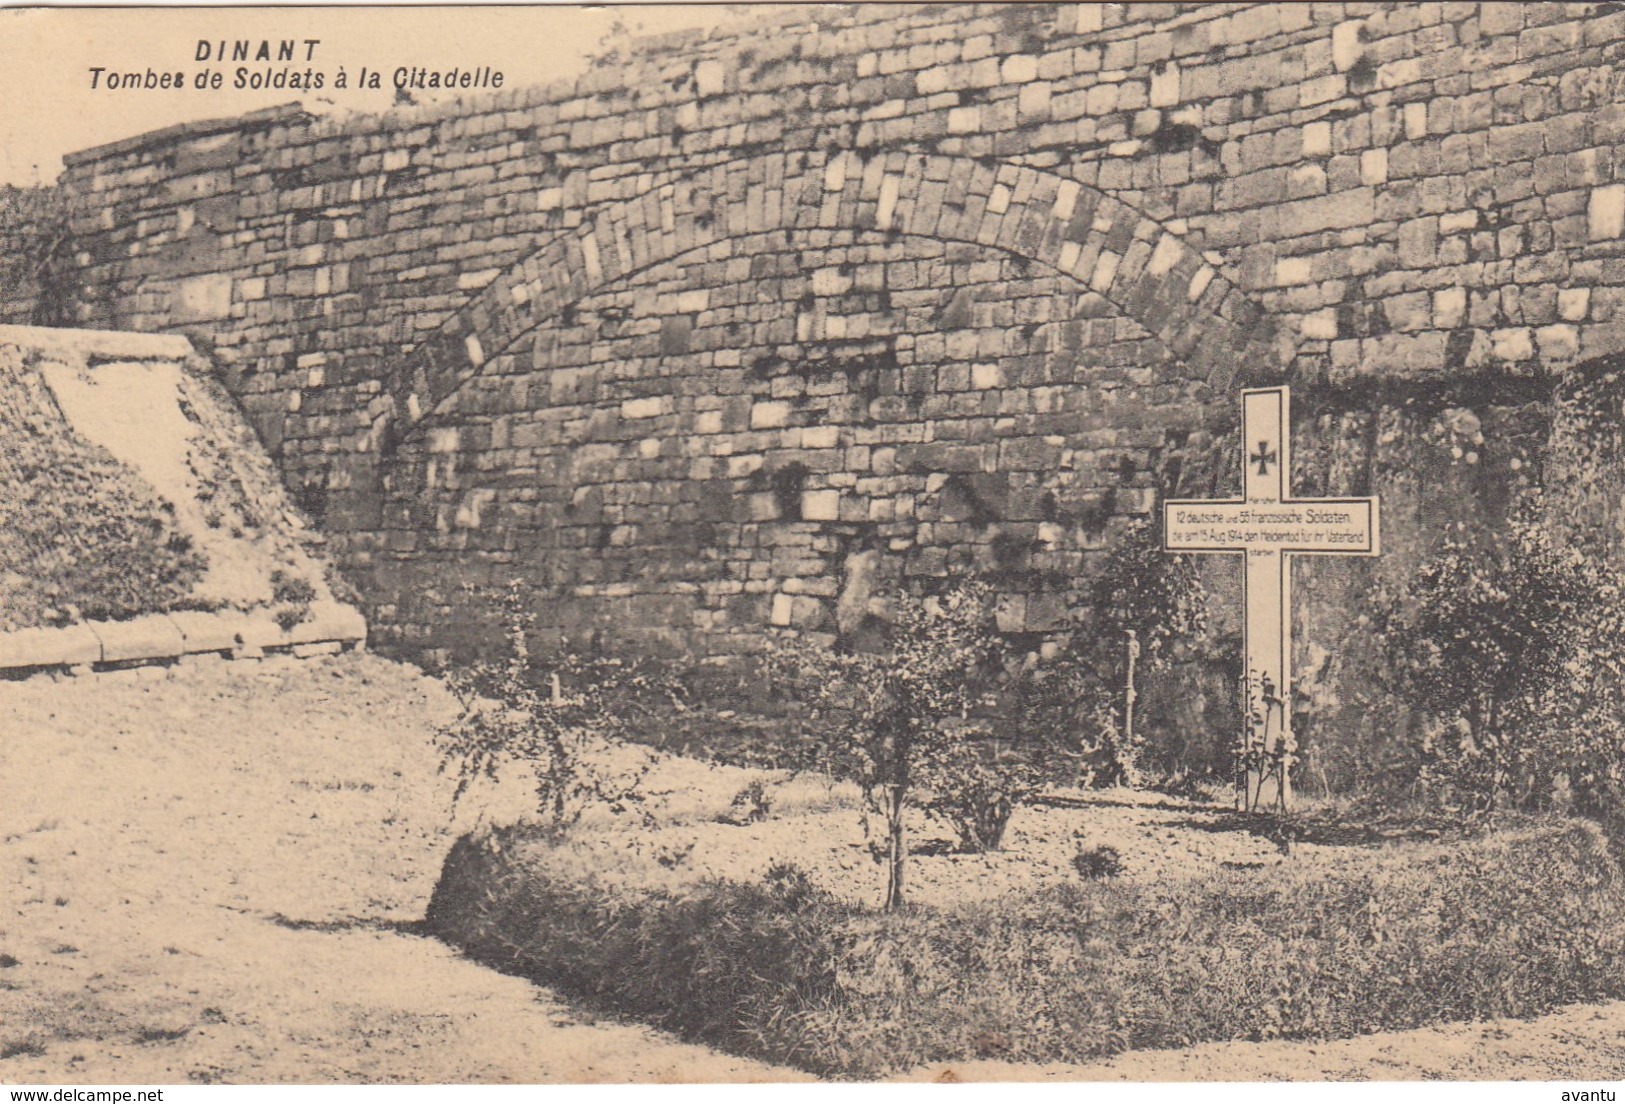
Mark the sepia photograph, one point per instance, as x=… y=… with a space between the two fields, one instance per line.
x=885 y=543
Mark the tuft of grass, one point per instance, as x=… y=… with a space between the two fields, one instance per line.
x=1513 y=924
x=293 y=596
x=753 y=803
x=1103 y=861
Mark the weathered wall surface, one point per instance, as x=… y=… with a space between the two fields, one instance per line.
x=35 y=265
x=965 y=285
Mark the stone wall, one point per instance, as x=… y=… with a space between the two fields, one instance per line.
x=968 y=286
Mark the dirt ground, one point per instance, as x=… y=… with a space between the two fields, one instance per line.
x=211 y=875
x=1583 y=1043
x=821 y=831
x=205 y=876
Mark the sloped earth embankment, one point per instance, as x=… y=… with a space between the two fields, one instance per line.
x=186 y=511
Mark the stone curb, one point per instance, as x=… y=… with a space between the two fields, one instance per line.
x=160 y=637
x=98 y=344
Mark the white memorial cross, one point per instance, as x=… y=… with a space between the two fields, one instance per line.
x=1268 y=527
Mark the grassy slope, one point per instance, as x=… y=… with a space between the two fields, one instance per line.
x=76 y=527
x=83 y=536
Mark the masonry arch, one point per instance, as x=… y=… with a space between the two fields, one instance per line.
x=1128 y=258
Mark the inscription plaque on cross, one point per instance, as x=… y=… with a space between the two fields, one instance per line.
x=1267 y=526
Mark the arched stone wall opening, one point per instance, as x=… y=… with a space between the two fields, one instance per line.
x=1124 y=255
x=704 y=412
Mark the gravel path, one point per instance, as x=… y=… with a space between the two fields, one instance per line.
x=207 y=874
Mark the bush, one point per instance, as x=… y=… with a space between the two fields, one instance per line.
x=1156 y=595
x=916 y=715
x=1102 y=861
x=1144 y=600
x=555 y=718
x=1512 y=655
x=975 y=783
x=1509 y=925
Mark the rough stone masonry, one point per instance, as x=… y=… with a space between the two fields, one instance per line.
x=700 y=342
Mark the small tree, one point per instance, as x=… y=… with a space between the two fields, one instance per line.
x=559 y=718
x=894 y=720
x=1142 y=609
x=1156 y=595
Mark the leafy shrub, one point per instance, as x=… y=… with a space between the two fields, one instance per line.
x=1512 y=656
x=1153 y=608
x=557 y=719
x=293 y=596
x=1509 y=925
x=751 y=804
x=974 y=784
x=1157 y=596
x=1144 y=595
x=1100 y=861
x=897 y=720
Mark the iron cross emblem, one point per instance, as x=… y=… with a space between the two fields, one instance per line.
x=1264 y=457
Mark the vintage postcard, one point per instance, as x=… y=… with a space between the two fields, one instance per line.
x=880 y=543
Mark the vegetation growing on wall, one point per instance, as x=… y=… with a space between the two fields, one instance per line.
x=87 y=533
x=37 y=276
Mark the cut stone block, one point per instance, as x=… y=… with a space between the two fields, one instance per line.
x=329 y=621
x=202 y=299
x=1293 y=270
x=1019 y=69
x=1317 y=139
x=1449 y=308
x=783 y=608
x=1374 y=166
x=1573 y=304
x=769 y=415
x=206 y=632
x=821 y=505
x=151 y=637
x=1605 y=213
x=73 y=646
x=1165 y=85
x=710 y=77
x=1320 y=325
x=1347 y=49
